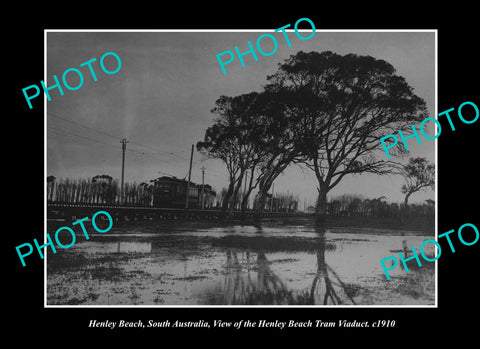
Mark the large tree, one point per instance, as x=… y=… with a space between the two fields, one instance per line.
x=280 y=141
x=230 y=139
x=348 y=102
x=254 y=134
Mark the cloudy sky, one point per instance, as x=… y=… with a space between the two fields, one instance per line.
x=161 y=98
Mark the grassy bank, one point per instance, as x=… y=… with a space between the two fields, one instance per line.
x=424 y=224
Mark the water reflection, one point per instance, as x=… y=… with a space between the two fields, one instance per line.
x=240 y=287
x=251 y=280
x=331 y=292
x=242 y=266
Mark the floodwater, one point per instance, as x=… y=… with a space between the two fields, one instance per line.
x=274 y=263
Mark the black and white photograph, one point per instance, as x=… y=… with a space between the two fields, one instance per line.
x=259 y=182
x=209 y=173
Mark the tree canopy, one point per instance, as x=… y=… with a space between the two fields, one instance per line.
x=325 y=110
x=348 y=103
x=419 y=174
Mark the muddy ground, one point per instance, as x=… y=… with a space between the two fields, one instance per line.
x=272 y=263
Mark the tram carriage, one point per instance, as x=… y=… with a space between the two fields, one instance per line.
x=170 y=192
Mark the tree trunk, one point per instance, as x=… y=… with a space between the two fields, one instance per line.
x=226 y=198
x=264 y=187
x=321 y=209
x=247 y=194
x=260 y=203
x=235 y=194
x=405 y=202
x=245 y=202
x=404 y=211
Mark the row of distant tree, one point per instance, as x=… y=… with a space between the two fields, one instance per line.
x=356 y=205
x=101 y=189
x=325 y=111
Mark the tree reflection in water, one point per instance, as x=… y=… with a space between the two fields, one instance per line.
x=239 y=287
x=329 y=295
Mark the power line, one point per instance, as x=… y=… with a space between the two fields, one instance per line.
x=95 y=140
x=158 y=151
x=73 y=134
x=168 y=174
x=116 y=137
x=89 y=128
x=71 y=139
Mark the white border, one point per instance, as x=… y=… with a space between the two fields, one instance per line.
x=233 y=31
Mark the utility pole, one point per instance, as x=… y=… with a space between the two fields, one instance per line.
x=203 y=187
x=124 y=147
x=189 y=177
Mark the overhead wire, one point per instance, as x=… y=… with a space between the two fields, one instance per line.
x=87 y=127
x=102 y=132
x=113 y=136
x=98 y=141
x=76 y=135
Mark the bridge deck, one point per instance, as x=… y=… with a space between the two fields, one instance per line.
x=69 y=211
